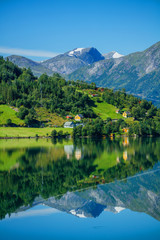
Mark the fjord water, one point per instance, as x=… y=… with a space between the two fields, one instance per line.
x=86 y=189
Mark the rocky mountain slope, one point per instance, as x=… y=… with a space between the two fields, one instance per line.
x=70 y=61
x=64 y=63
x=23 y=62
x=138 y=73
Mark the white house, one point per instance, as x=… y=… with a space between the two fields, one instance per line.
x=69 y=125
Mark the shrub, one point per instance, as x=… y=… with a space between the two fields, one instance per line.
x=60 y=133
x=9 y=122
x=54 y=133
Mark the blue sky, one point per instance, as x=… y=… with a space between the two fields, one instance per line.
x=40 y=29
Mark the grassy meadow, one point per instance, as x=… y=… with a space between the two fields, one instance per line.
x=105 y=110
x=29 y=132
x=101 y=109
x=6 y=112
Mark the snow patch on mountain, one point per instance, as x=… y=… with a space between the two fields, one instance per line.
x=81 y=215
x=71 y=53
x=112 y=54
x=117 y=55
x=119 y=209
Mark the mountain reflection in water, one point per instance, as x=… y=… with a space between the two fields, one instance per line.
x=82 y=178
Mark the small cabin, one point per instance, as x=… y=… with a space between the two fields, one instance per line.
x=126 y=114
x=94 y=95
x=69 y=117
x=117 y=111
x=69 y=125
x=125 y=130
x=102 y=89
x=78 y=117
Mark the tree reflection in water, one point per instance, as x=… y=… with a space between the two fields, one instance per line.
x=47 y=171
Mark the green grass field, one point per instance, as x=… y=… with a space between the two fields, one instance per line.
x=130 y=120
x=29 y=132
x=105 y=110
x=102 y=109
x=8 y=113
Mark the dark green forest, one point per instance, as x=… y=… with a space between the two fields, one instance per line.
x=20 y=88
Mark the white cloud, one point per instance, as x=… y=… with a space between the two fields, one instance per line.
x=27 y=52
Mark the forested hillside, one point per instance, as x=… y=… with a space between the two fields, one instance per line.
x=138 y=72
x=21 y=89
x=54 y=97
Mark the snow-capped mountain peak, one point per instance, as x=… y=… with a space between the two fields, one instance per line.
x=112 y=54
x=117 y=55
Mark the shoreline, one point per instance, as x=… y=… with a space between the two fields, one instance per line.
x=69 y=137
x=23 y=132
x=36 y=133
x=24 y=137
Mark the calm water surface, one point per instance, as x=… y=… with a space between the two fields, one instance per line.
x=88 y=189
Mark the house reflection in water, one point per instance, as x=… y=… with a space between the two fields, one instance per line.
x=125 y=141
x=78 y=154
x=118 y=160
x=125 y=156
x=69 y=149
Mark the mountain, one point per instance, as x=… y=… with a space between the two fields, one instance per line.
x=112 y=54
x=70 y=61
x=138 y=73
x=76 y=205
x=140 y=194
x=23 y=62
